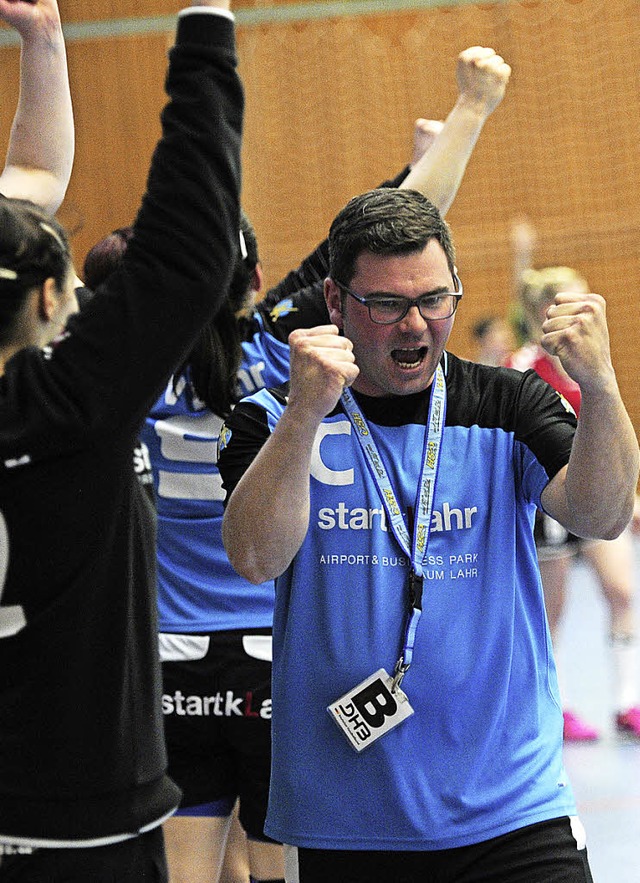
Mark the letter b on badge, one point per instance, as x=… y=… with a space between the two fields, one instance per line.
x=375 y=703
x=370 y=710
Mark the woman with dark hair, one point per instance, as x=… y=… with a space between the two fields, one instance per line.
x=83 y=782
x=36 y=294
x=104 y=255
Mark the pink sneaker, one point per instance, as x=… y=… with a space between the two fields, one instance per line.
x=629 y=722
x=576 y=730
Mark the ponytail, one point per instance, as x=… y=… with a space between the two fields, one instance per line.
x=214 y=362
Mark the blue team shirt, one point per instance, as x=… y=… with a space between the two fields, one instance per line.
x=198 y=589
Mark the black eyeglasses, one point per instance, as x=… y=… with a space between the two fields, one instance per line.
x=385 y=309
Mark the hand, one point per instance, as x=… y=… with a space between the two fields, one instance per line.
x=29 y=16
x=523 y=235
x=425 y=133
x=322 y=364
x=575 y=330
x=482 y=78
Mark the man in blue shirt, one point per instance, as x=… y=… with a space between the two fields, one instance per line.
x=417 y=730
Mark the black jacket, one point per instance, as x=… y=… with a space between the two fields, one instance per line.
x=81 y=743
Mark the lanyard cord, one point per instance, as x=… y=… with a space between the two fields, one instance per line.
x=414 y=547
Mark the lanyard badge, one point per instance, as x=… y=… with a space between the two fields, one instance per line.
x=377 y=705
x=370 y=710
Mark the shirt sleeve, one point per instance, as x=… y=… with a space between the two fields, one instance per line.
x=241 y=438
x=305 y=308
x=116 y=355
x=544 y=424
x=207 y=10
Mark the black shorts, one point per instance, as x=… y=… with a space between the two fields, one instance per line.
x=542 y=853
x=217 y=716
x=137 y=860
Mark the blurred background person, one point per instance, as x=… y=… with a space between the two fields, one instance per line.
x=494 y=340
x=613 y=562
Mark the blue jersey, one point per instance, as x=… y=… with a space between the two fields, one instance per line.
x=482 y=754
x=265 y=357
x=198 y=589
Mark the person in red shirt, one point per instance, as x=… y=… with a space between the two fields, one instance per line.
x=612 y=561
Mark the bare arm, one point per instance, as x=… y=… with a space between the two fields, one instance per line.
x=322 y=363
x=594 y=495
x=41 y=145
x=214 y=4
x=482 y=80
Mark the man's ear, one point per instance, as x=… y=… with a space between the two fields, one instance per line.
x=48 y=300
x=333 y=300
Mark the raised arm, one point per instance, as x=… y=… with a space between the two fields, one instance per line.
x=523 y=242
x=307 y=280
x=440 y=153
x=176 y=270
x=594 y=495
x=272 y=497
x=482 y=80
x=41 y=144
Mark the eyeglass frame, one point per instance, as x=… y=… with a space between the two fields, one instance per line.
x=409 y=301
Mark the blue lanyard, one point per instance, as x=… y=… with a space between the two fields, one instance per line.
x=414 y=547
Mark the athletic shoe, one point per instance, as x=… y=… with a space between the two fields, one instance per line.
x=576 y=730
x=629 y=721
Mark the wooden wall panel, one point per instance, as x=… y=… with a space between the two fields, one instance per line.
x=9 y=77
x=100 y=10
x=330 y=109
x=118 y=95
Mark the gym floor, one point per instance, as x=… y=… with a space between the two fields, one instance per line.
x=605 y=774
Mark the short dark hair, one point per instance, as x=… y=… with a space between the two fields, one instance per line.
x=387 y=221
x=483 y=326
x=33 y=247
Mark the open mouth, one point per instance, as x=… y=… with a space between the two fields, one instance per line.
x=409 y=358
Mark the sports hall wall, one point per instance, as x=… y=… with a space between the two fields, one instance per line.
x=332 y=91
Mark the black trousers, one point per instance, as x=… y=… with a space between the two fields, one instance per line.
x=542 y=853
